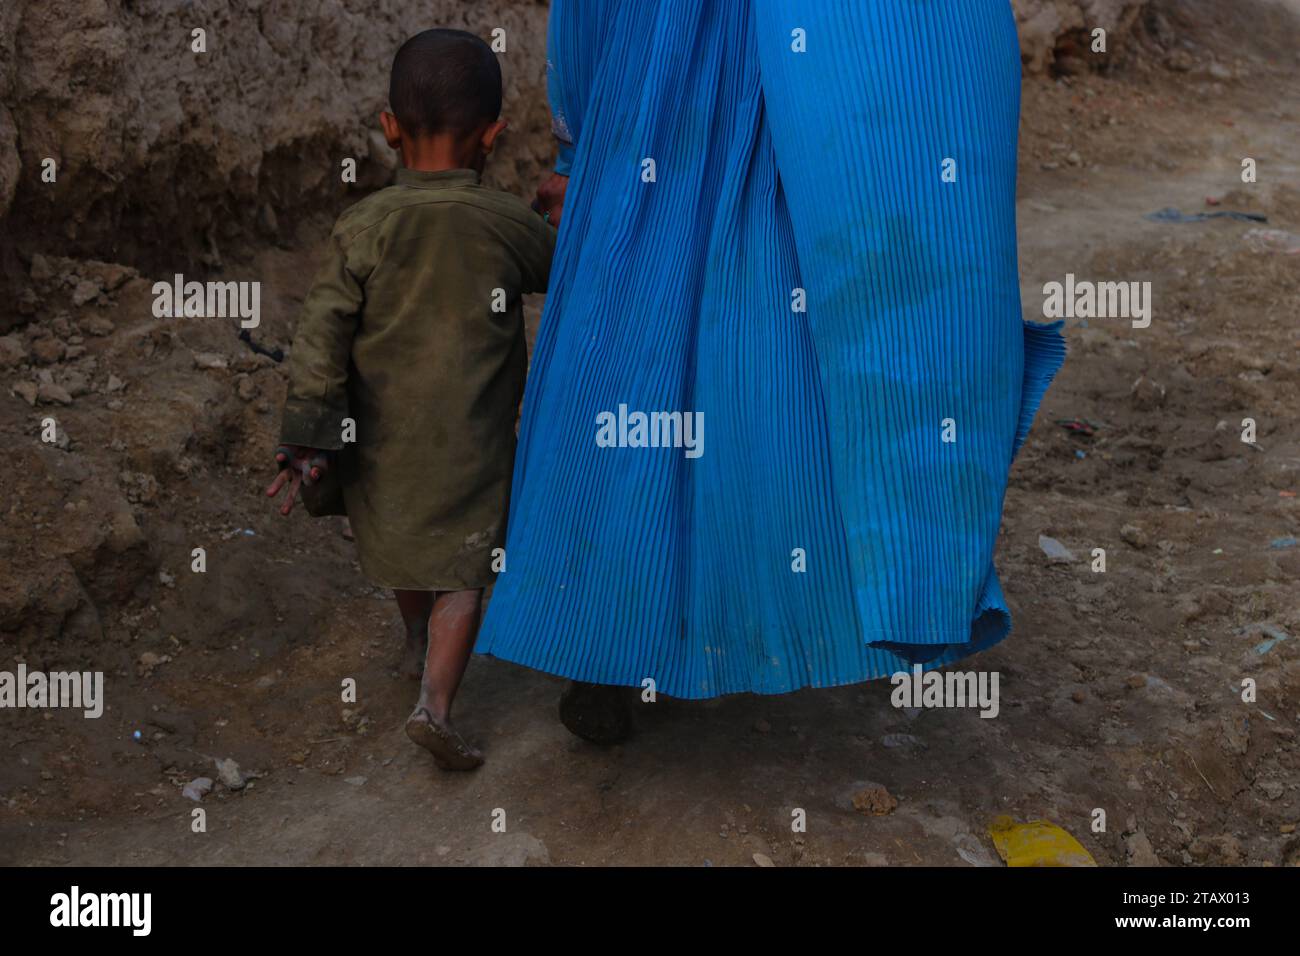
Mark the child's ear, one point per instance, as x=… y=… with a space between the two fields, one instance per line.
x=490 y=135
x=392 y=132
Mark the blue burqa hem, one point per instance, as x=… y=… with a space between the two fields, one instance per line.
x=796 y=234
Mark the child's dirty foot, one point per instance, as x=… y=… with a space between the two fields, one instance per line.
x=449 y=749
x=412 y=665
x=596 y=712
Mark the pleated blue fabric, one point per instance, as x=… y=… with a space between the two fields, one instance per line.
x=796 y=221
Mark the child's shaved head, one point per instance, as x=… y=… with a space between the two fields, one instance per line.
x=444 y=81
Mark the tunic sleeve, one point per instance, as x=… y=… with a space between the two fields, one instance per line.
x=573 y=48
x=317 y=401
x=535 y=256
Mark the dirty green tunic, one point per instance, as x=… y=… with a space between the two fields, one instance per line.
x=414 y=330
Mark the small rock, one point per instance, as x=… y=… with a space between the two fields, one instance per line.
x=246 y=389
x=972 y=851
x=762 y=859
x=874 y=800
x=48 y=350
x=42 y=271
x=111 y=276
x=12 y=351
x=197 y=789
x=1136 y=681
x=86 y=290
x=123 y=532
x=902 y=741
x=1134 y=536
x=47 y=393
x=1079 y=696
x=1272 y=241
x=149 y=662
x=230 y=775
x=1273 y=789
x=1074 y=159
x=1056 y=552
x=115 y=384
x=762 y=726
x=26 y=391
x=1235 y=734
x=96 y=325
x=1147 y=394
x=1139 y=849
x=355 y=781
x=209 y=360
x=75 y=381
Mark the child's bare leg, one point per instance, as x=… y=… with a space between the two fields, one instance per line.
x=453 y=626
x=415 y=607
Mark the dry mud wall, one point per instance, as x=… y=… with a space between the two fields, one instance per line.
x=162 y=153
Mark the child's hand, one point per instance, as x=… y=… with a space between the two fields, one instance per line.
x=298 y=466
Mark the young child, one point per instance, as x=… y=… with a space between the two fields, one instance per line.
x=408 y=366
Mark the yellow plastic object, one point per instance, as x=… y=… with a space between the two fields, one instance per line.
x=1037 y=843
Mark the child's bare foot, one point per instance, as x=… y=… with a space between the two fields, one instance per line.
x=449 y=749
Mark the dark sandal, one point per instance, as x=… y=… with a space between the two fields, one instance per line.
x=596 y=712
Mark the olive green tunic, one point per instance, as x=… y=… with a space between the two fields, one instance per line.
x=414 y=330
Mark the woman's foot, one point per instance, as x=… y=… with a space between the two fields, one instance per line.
x=596 y=712
x=449 y=749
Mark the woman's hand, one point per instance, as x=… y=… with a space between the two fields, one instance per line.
x=550 y=198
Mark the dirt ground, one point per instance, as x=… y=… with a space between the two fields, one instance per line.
x=1120 y=690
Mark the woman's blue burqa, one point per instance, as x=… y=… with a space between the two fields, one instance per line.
x=797 y=220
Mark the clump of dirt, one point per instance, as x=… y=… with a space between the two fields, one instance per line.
x=1059 y=35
